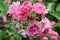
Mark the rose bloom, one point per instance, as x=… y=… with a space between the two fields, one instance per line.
x=27 y=5
x=45 y=28
x=23 y=17
x=53 y=38
x=52 y=23
x=53 y=33
x=18 y=11
x=22 y=13
x=33 y=29
x=13 y=7
x=39 y=8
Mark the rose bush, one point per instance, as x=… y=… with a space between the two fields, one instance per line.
x=29 y=20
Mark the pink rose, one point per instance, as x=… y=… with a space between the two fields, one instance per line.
x=53 y=38
x=53 y=33
x=18 y=11
x=39 y=8
x=52 y=23
x=22 y=14
x=46 y=31
x=45 y=28
x=12 y=8
x=45 y=20
x=27 y=5
x=33 y=29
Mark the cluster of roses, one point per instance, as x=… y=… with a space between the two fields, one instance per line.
x=34 y=28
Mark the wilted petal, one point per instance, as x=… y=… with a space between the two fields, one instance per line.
x=23 y=33
x=17 y=26
x=4 y=19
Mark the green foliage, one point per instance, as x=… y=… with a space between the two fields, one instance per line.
x=51 y=6
x=3 y=8
x=56 y=27
x=51 y=0
x=33 y=14
x=33 y=1
x=55 y=14
x=58 y=8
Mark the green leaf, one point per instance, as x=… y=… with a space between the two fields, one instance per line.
x=51 y=6
x=31 y=38
x=56 y=28
x=58 y=8
x=1 y=14
x=22 y=1
x=3 y=33
x=7 y=25
x=55 y=14
x=38 y=38
x=33 y=1
x=3 y=6
x=58 y=39
x=51 y=0
x=34 y=14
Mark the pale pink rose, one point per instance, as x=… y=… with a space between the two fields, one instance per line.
x=39 y=0
x=53 y=38
x=52 y=23
x=33 y=29
x=12 y=8
x=45 y=28
x=50 y=31
x=45 y=20
x=18 y=11
x=44 y=38
x=27 y=5
x=8 y=1
x=39 y=8
x=53 y=33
